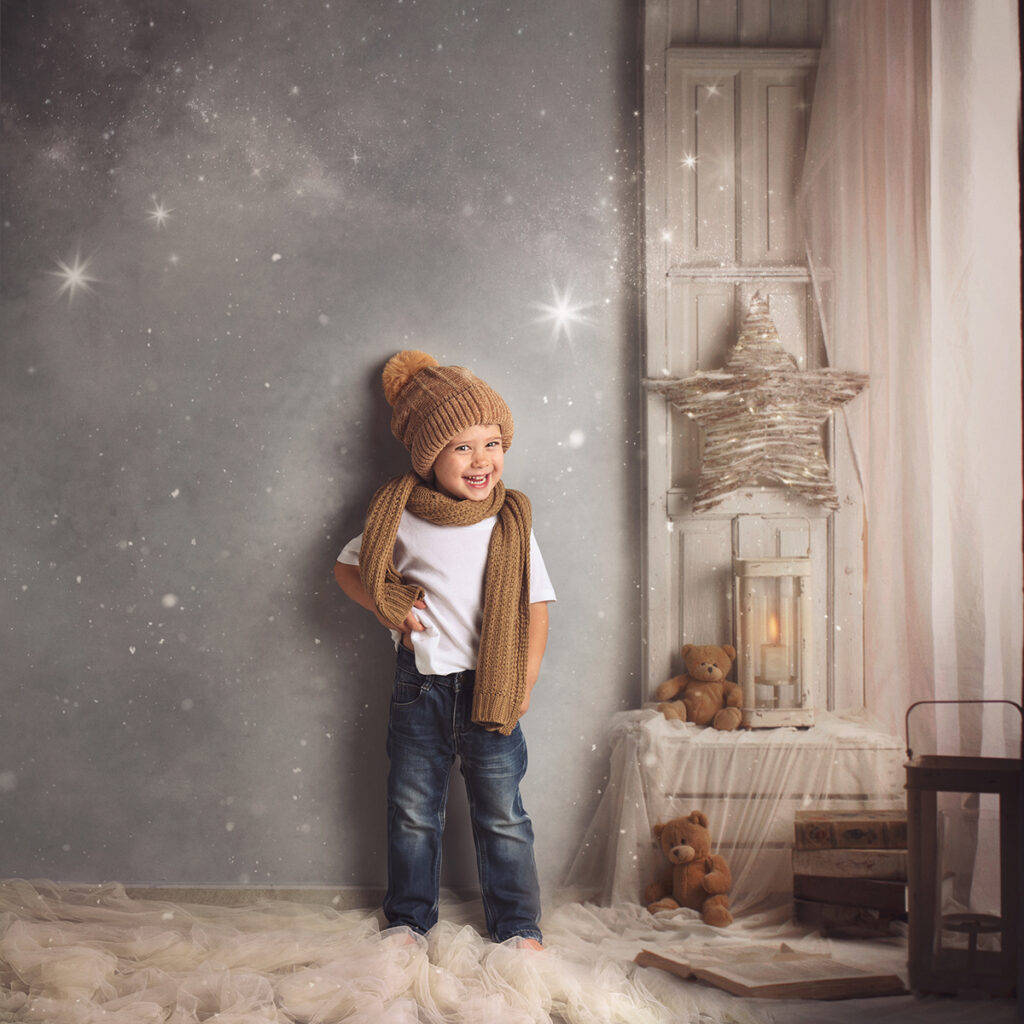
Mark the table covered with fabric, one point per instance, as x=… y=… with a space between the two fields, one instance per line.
x=748 y=782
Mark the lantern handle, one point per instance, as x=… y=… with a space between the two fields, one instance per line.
x=918 y=703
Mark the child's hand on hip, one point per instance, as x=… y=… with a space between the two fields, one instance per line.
x=411 y=624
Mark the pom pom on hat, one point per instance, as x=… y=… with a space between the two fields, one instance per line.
x=401 y=368
x=431 y=404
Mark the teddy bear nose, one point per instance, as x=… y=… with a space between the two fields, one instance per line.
x=683 y=854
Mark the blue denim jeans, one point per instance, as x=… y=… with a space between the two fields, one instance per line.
x=429 y=725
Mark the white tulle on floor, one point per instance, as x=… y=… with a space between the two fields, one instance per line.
x=93 y=955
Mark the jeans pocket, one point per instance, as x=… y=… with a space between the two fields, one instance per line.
x=408 y=689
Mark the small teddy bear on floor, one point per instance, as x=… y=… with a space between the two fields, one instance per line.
x=702 y=694
x=698 y=878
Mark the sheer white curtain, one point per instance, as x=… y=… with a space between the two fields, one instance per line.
x=910 y=201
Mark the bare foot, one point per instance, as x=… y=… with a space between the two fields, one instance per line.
x=530 y=944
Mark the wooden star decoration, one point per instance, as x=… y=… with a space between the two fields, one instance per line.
x=762 y=416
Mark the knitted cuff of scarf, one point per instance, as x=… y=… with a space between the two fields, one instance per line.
x=505 y=632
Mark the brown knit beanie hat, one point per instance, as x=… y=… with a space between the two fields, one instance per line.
x=433 y=403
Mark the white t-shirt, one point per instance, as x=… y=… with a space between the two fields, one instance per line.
x=448 y=562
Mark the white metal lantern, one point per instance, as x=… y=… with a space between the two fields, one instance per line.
x=772 y=606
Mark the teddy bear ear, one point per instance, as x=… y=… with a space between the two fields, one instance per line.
x=658 y=829
x=686 y=649
x=730 y=650
x=699 y=818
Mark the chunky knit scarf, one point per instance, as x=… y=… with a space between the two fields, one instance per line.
x=504 y=636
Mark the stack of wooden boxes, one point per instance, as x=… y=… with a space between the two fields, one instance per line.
x=850 y=870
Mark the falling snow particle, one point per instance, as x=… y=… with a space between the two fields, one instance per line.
x=275 y=258
x=187 y=704
x=169 y=600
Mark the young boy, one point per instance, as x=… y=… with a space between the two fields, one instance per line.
x=448 y=562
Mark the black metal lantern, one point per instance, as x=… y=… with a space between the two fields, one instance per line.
x=953 y=946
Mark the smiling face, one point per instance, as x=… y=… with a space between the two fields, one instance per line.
x=471 y=463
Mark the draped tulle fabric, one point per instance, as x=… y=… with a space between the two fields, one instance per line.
x=910 y=197
x=92 y=955
x=83 y=955
x=749 y=784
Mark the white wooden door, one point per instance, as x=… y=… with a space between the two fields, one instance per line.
x=724 y=134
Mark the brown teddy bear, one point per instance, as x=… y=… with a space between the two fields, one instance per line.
x=702 y=694
x=699 y=878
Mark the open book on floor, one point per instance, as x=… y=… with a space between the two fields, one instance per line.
x=776 y=972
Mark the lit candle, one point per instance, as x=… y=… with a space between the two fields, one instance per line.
x=774 y=662
x=774 y=656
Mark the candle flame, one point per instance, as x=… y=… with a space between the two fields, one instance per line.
x=773 y=629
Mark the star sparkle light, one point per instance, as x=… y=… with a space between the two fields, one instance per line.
x=158 y=213
x=74 y=277
x=762 y=416
x=563 y=313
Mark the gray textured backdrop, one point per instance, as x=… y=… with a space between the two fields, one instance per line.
x=220 y=219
